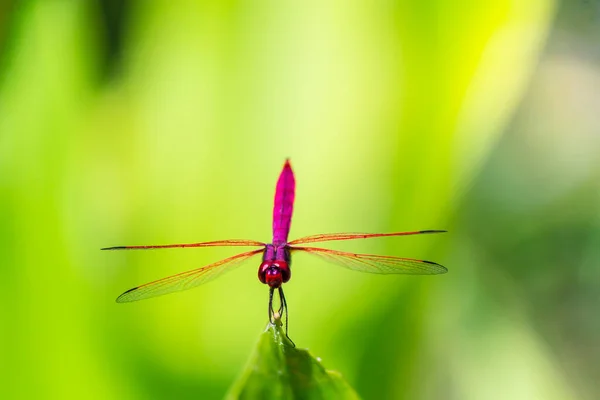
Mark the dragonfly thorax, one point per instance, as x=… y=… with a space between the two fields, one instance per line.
x=274 y=273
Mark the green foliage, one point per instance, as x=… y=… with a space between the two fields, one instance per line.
x=392 y=114
x=279 y=370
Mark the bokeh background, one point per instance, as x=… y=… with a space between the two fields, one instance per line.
x=152 y=122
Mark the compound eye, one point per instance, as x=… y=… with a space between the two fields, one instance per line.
x=273 y=277
x=262 y=271
x=286 y=273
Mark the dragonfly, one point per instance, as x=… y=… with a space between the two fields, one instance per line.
x=275 y=268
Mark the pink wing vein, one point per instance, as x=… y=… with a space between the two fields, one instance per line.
x=349 y=236
x=185 y=280
x=232 y=242
x=376 y=264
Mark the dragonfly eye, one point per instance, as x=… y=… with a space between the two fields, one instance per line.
x=274 y=273
x=270 y=274
x=284 y=268
x=273 y=277
x=262 y=270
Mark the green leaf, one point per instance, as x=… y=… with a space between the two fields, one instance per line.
x=279 y=370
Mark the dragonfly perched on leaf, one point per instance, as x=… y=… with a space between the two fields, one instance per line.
x=274 y=269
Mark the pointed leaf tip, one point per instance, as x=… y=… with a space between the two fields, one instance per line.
x=279 y=370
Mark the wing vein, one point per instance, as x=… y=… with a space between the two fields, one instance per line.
x=375 y=264
x=351 y=236
x=185 y=280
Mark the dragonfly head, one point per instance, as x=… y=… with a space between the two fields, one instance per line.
x=274 y=273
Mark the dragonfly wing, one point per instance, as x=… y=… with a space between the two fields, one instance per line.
x=349 y=236
x=185 y=280
x=232 y=242
x=376 y=264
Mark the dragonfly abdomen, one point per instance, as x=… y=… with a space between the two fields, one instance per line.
x=284 y=204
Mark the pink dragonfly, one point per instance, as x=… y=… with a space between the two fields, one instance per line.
x=276 y=256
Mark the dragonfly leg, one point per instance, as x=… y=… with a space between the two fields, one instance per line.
x=282 y=304
x=284 y=307
x=271 y=306
x=276 y=316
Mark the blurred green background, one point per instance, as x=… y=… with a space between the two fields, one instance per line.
x=151 y=122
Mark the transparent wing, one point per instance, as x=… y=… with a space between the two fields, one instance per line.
x=349 y=236
x=185 y=280
x=375 y=264
x=232 y=242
